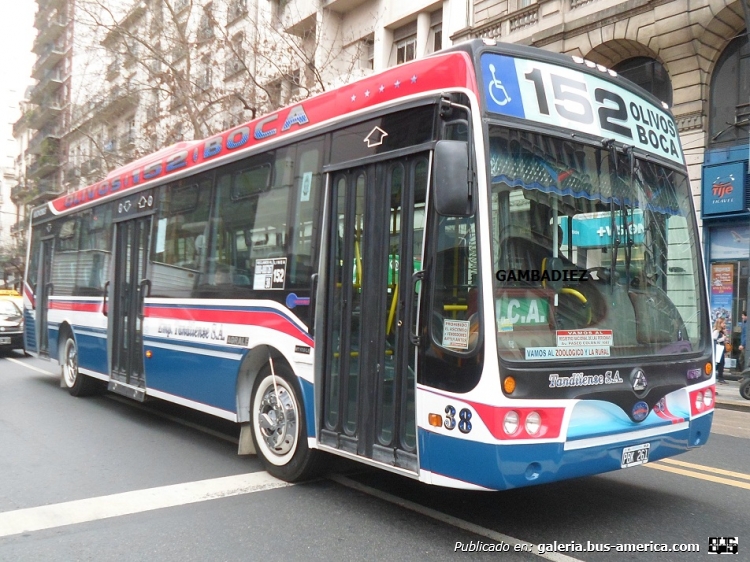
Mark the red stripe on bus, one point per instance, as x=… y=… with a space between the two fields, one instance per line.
x=76 y=306
x=271 y=320
x=29 y=294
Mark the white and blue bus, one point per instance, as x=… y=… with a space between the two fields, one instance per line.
x=479 y=270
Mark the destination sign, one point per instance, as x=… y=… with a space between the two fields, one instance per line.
x=575 y=100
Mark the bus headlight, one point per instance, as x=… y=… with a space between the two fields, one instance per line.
x=510 y=423
x=533 y=423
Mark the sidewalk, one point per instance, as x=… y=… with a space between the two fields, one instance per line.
x=728 y=397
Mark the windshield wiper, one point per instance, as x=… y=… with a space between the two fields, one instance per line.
x=609 y=144
x=628 y=234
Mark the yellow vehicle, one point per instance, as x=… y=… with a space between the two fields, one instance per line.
x=13 y=295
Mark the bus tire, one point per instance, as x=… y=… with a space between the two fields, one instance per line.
x=280 y=434
x=77 y=383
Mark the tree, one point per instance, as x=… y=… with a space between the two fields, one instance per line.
x=172 y=70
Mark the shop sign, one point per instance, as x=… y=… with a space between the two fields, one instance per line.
x=724 y=188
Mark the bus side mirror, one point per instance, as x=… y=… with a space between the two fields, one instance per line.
x=452 y=179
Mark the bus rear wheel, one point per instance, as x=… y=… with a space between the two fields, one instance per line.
x=77 y=383
x=279 y=428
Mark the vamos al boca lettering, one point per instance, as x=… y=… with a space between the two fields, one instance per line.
x=535 y=353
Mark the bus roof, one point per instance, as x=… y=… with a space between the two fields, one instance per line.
x=451 y=70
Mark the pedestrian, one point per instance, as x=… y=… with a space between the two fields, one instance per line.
x=743 y=341
x=719 y=337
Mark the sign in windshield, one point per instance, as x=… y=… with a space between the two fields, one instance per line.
x=565 y=97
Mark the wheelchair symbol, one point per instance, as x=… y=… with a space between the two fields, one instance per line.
x=497 y=90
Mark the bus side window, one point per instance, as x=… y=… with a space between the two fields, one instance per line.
x=94 y=251
x=177 y=256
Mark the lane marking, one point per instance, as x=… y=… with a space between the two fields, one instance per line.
x=24 y=364
x=699 y=475
x=138 y=501
x=449 y=519
x=740 y=475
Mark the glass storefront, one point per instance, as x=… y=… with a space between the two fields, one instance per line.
x=729 y=265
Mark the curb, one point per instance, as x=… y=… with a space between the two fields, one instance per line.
x=731 y=405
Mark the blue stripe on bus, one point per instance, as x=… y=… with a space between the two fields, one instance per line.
x=502 y=467
x=202 y=378
x=308 y=395
x=92 y=350
x=30 y=330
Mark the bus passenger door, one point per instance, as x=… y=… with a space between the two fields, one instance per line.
x=374 y=232
x=44 y=290
x=128 y=290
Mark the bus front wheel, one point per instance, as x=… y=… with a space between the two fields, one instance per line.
x=279 y=428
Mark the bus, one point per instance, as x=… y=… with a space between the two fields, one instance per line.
x=479 y=270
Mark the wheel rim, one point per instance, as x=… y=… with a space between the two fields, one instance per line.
x=70 y=363
x=276 y=420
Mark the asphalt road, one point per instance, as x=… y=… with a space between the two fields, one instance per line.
x=104 y=478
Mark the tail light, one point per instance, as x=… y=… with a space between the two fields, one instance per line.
x=702 y=400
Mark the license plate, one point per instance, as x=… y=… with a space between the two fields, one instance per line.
x=4 y=341
x=635 y=455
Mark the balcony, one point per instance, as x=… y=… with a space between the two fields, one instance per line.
x=51 y=55
x=22 y=124
x=44 y=165
x=18 y=193
x=120 y=99
x=44 y=141
x=46 y=190
x=47 y=86
x=49 y=31
x=48 y=110
x=48 y=5
x=342 y=6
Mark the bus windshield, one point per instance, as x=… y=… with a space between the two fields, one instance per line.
x=595 y=251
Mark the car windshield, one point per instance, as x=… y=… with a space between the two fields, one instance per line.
x=8 y=308
x=595 y=251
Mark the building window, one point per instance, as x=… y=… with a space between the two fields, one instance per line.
x=406 y=49
x=405 y=41
x=368 y=53
x=729 y=117
x=649 y=74
x=437 y=38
